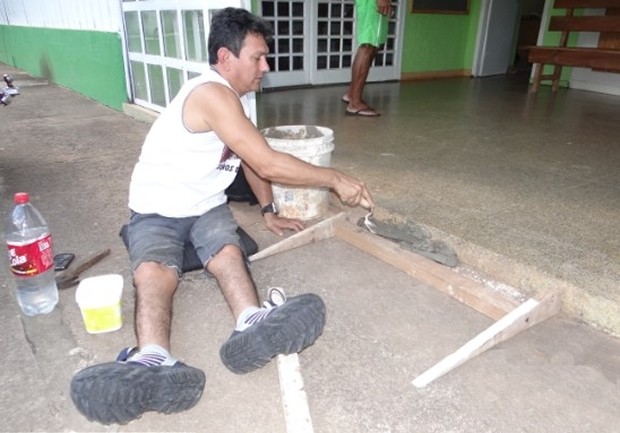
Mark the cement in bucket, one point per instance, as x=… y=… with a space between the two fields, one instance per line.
x=313 y=144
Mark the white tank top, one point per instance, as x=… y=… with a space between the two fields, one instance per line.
x=182 y=173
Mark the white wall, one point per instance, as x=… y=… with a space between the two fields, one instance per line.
x=587 y=79
x=96 y=15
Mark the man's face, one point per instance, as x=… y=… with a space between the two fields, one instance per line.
x=251 y=64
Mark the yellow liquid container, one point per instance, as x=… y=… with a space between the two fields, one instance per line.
x=99 y=299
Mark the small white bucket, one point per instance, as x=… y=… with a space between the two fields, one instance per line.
x=99 y=299
x=314 y=145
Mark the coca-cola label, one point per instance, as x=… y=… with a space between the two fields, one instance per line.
x=33 y=258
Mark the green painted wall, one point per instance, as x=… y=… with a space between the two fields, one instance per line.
x=88 y=62
x=440 y=42
x=436 y=42
x=446 y=42
x=91 y=63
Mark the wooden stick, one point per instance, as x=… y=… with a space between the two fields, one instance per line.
x=294 y=400
x=70 y=278
x=477 y=296
x=524 y=316
x=317 y=232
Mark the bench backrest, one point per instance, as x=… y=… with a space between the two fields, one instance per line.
x=608 y=25
x=561 y=4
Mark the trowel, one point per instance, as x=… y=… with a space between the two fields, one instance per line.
x=70 y=278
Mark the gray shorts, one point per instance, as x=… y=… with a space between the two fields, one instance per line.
x=155 y=238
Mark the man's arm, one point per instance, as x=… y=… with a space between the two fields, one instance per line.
x=227 y=119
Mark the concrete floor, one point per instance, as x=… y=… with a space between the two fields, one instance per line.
x=525 y=187
x=521 y=188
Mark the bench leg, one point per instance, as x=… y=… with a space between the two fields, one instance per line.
x=557 y=71
x=538 y=69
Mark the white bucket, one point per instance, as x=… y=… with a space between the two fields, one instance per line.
x=99 y=299
x=314 y=145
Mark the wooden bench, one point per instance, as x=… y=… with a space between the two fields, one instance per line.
x=605 y=57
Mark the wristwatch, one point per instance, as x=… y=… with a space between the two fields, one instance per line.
x=270 y=208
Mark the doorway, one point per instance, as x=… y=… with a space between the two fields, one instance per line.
x=314 y=43
x=505 y=29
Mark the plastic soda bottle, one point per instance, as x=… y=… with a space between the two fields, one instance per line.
x=31 y=257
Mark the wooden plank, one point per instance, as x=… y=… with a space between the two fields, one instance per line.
x=610 y=41
x=317 y=232
x=513 y=318
x=583 y=57
x=465 y=290
x=412 y=76
x=526 y=315
x=565 y=4
x=606 y=23
x=294 y=399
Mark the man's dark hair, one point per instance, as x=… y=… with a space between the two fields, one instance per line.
x=230 y=26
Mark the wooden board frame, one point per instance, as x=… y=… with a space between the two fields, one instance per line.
x=512 y=315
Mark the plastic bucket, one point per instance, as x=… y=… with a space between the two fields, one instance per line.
x=99 y=299
x=312 y=144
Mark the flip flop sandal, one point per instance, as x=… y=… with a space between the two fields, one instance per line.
x=364 y=112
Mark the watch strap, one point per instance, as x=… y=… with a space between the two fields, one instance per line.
x=270 y=208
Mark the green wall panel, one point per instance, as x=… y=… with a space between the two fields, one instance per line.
x=88 y=62
x=440 y=42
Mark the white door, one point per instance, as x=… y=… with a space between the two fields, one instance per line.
x=497 y=34
x=314 y=43
x=167 y=45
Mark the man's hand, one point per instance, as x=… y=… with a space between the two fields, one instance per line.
x=353 y=192
x=278 y=224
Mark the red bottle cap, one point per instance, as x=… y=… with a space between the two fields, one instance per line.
x=21 y=198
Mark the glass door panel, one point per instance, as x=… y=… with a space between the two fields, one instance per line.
x=172 y=35
x=288 y=61
x=194 y=33
x=314 y=43
x=167 y=45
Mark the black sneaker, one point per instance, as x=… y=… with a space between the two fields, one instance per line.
x=119 y=392
x=284 y=327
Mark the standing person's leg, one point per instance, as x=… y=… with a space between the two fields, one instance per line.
x=359 y=73
x=369 y=37
x=145 y=378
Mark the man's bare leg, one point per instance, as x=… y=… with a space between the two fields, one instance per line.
x=262 y=333
x=146 y=380
x=232 y=275
x=155 y=286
